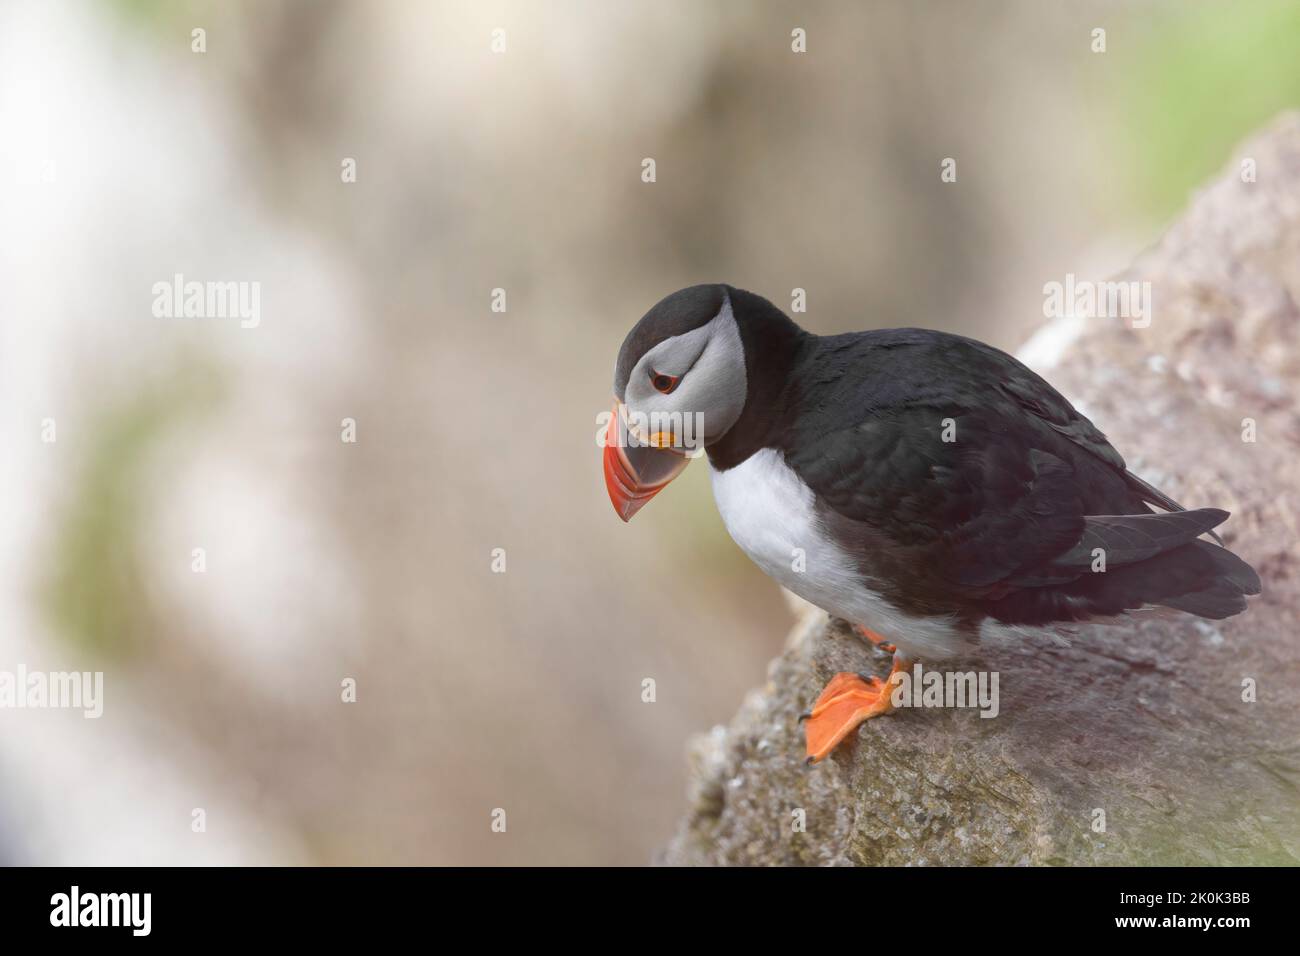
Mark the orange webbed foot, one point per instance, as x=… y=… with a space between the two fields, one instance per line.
x=846 y=702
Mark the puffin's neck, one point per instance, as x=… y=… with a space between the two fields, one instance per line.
x=773 y=347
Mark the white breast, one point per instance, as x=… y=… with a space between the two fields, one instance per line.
x=770 y=513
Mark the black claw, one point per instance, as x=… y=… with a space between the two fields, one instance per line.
x=804 y=716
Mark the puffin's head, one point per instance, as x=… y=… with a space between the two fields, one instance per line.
x=679 y=385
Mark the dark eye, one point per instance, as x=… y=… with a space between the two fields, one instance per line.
x=663 y=383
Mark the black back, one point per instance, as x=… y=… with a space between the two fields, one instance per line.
x=1002 y=521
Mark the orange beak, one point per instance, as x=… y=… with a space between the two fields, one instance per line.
x=635 y=469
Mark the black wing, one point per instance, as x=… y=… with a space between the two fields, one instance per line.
x=964 y=483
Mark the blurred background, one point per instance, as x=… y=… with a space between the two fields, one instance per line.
x=126 y=157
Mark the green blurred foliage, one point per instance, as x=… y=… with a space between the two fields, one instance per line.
x=1201 y=77
x=94 y=595
x=153 y=13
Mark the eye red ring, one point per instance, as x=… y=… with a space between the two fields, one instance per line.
x=663 y=382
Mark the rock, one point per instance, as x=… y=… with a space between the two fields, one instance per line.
x=1143 y=721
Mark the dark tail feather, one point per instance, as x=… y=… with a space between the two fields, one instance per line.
x=1197 y=577
x=1225 y=593
x=1232 y=569
x=1154 y=496
x=1129 y=539
x=1200 y=578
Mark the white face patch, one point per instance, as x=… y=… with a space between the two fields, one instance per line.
x=769 y=513
x=673 y=356
x=710 y=363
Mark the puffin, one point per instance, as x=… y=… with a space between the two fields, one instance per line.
x=923 y=486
